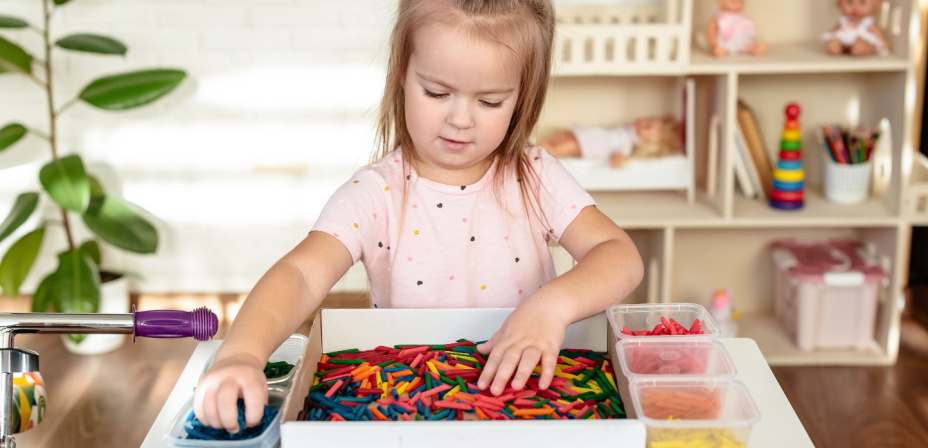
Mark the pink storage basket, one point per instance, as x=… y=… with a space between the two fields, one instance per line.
x=826 y=293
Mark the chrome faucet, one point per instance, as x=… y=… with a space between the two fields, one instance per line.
x=201 y=324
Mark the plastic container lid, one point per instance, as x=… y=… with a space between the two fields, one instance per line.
x=840 y=262
x=646 y=316
x=728 y=411
x=674 y=358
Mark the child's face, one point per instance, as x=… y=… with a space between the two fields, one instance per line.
x=858 y=8
x=731 y=5
x=460 y=93
x=648 y=129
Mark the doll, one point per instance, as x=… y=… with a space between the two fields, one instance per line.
x=732 y=32
x=651 y=137
x=856 y=33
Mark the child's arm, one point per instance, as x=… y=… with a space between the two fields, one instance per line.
x=608 y=269
x=284 y=298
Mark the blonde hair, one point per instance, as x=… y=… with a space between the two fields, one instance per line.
x=525 y=27
x=669 y=141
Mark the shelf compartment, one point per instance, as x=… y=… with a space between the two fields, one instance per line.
x=793 y=29
x=668 y=173
x=596 y=101
x=739 y=260
x=847 y=99
x=779 y=350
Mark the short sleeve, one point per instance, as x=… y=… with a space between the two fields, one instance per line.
x=356 y=215
x=560 y=195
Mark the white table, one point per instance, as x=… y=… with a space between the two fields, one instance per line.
x=778 y=427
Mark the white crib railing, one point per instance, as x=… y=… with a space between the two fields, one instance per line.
x=620 y=39
x=915 y=201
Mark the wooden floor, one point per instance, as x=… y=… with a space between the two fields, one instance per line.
x=865 y=406
x=111 y=400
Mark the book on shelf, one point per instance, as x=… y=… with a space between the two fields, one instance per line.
x=750 y=129
x=745 y=173
x=713 y=163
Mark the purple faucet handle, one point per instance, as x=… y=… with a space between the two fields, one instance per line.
x=201 y=324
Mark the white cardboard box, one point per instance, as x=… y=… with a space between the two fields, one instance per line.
x=338 y=329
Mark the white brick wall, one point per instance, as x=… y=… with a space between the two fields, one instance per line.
x=238 y=162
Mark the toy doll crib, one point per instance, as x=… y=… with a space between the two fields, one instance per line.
x=645 y=38
x=630 y=39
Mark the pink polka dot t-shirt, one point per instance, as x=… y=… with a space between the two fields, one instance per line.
x=451 y=246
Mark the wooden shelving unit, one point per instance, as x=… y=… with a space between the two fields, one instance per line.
x=721 y=240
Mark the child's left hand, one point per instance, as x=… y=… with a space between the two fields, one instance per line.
x=531 y=333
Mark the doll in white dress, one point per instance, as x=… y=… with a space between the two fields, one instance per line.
x=856 y=33
x=650 y=137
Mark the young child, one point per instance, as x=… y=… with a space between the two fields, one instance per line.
x=732 y=32
x=856 y=33
x=456 y=212
x=646 y=138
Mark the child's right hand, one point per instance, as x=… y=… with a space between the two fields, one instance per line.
x=215 y=400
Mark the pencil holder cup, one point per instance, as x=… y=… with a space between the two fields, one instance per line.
x=847 y=183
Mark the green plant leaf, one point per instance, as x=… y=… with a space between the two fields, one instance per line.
x=61 y=2
x=117 y=222
x=77 y=338
x=23 y=207
x=91 y=249
x=12 y=22
x=10 y=134
x=18 y=261
x=96 y=188
x=41 y=299
x=75 y=287
x=131 y=90
x=12 y=57
x=66 y=182
x=91 y=43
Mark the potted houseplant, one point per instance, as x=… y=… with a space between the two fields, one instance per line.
x=75 y=285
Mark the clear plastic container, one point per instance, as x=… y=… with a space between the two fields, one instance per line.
x=826 y=293
x=270 y=438
x=291 y=352
x=676 y=357
x=646 y=316
x=698 y=411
